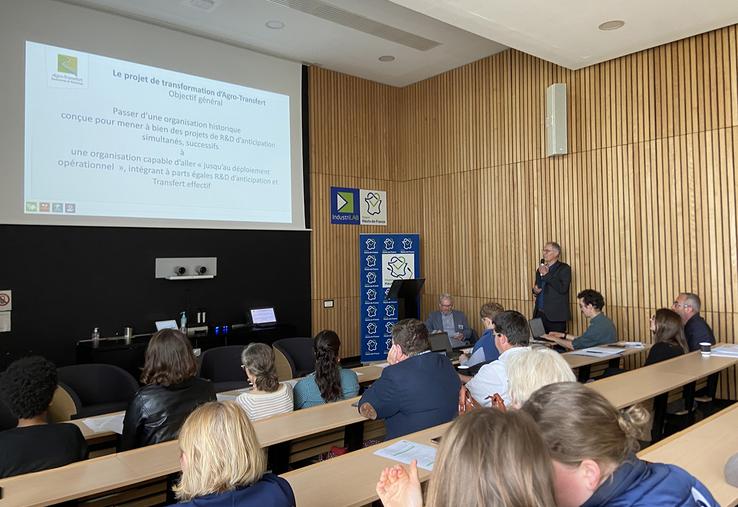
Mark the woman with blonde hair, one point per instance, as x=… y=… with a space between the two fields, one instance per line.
x=668 y=336
x=533 y=369
x=268 y=397
x=223 y=464
x=499 y=455
x=593 y=446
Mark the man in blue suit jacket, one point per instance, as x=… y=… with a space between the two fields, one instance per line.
x=450 y=321
x=419 y=389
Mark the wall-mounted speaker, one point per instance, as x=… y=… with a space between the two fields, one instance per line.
x=556 y=138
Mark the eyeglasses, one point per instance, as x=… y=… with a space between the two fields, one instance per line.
x=677 y=304
x=451 y=305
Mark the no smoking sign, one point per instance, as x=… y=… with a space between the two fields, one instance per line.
x=6 y=300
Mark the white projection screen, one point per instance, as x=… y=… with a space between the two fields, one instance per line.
x=109 y=121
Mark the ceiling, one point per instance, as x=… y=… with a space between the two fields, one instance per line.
x=428 y=37
x=566 y=31
x=322 y=38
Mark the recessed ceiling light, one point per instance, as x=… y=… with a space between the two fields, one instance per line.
x=387 y=58
x=274 y=24
x=612 y=25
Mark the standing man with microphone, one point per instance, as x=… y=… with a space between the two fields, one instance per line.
x=551 y=289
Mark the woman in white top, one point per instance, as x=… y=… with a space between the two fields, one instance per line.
x=268 y=397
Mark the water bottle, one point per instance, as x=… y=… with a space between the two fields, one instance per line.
x=183 y=322
x=95 y=337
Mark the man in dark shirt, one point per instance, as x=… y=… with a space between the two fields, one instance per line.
x=27 y=387
x=551 y=289
x=419 y=389
x=696 y=331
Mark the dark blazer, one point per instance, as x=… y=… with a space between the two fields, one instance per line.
x=435 y=323
x=157 y=412
x=415 y=394
x=556 y=292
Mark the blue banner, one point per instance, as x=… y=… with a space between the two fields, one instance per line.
x=345 y=206
x=382 y=259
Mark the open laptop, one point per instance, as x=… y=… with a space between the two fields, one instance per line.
x=537 y=330
x=263 y=317
x=439 y=342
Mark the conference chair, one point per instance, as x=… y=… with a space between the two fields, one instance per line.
x=222 y=366
x=294 y=357
x=98 y=388
x=63 y=405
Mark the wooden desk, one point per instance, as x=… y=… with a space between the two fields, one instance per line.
x=702 y=450
x=349 y=480
x=584 y=363
x=648 y=382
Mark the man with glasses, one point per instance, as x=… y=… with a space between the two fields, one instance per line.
x=450 y=321
x=600 y=331
x=551 y=289
x=512 y=336
x=696 y=331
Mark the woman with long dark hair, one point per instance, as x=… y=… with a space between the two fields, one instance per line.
x=329 y=382
x=668 y=336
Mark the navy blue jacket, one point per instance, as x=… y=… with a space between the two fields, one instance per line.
x=420 y=392
x=638 y=483
x=487 y=342
x=270 y=491
x=696 y=330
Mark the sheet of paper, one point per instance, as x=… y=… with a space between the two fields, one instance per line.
x=405 y=451
x=382 y=365
x=100 y=424
x=597 y=352
x=725 y=351
x=476 y=358
x=358 y=373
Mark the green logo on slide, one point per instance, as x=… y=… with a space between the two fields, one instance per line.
x=66 y=64
x=31 y=206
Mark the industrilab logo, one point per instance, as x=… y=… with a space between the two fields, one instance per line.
x=66 y=64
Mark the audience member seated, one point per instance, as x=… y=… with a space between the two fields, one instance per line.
x=268 y=397
x=668 y=336
x=532 y=369
x=171 y=392
x=486 y=342
x=512 y=335
x=593 y=448
x=600 y=331
x=223 y=464
x=450 y=321
x=27 y=387
x=486 y=458
x=417 y=390
x=696 y=330
x=329 y=382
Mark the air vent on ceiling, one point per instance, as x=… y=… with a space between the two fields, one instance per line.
x=343 y=17
x=202 y=5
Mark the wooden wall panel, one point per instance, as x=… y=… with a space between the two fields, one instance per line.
x=644 y=204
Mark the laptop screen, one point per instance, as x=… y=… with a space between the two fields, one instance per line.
x=261 y=316
x=439 y=342
x=536 y=328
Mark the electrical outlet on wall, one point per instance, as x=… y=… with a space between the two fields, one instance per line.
x=328 y=303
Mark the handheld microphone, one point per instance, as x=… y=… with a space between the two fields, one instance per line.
x=542 y=261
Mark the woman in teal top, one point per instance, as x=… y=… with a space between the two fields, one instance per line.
x=329 y=382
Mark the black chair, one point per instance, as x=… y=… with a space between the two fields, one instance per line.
x=222 y=366
x=294 y=357
x=98 y=388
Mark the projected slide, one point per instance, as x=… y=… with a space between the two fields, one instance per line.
x=111 y=138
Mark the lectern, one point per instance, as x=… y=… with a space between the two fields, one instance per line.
x=407 y=294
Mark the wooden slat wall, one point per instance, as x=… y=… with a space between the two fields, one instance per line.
x=644 y=205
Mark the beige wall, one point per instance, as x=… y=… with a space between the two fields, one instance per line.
x=644 y=205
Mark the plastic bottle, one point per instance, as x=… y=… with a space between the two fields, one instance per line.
x=95 y=337
x=183 y=322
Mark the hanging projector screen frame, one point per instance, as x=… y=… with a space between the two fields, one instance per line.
x=111 y=36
